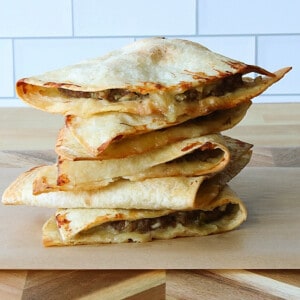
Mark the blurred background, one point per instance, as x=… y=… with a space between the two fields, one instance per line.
x=38 y=36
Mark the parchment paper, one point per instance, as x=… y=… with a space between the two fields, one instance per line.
x=270 y=238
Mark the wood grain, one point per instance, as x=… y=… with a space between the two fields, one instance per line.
x=90 y=284
x=291 y=277
x=26 y=158
x=28 y=129
x=12 y=284
x=27 y=138
x=229 y=284
x=86 y=284
x=135 y=285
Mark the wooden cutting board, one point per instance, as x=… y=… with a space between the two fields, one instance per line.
x=270 y=238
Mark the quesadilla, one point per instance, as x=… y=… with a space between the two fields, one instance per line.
x=114 y=138
x=154 y=193
x=169 y=77
x=175 y=193
x=94 y=226
x=141 y=155
x=204 y=155
x=190 y=157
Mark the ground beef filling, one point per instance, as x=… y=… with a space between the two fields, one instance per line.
x=219 y=88
x=199 y=155
x=186 y=218
x=112 y=95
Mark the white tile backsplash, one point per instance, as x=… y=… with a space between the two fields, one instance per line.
x=240 y=47
x=267 y=98
x=248 y=17
x=275 y=52
x=134 y=17
x=6 y=69
x=38 y=35
x=35 y=18
x=36 y=56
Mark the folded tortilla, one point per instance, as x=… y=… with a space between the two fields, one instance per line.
x=205 y=155
x=170 y=77
x=95 y=226
x=175 y=193
x=114 y=135
x=98 y=131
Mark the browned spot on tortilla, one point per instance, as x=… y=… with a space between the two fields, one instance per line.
x=68 y=119
x=119 y=216
x=235 y=65
x=63 y=179
x=62 y=221
x=200 y=76
x=207 y=146
x=190 y=146
x=58 y=85
x=23 y=87
x=147 y=87
x=185 y=85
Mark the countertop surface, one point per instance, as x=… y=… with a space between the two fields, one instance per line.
x=27 y=139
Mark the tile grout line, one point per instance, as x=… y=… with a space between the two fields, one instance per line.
x=72 y=18
x=196 y=17
x=14 y=67
x=150 y=35
x=256 y=50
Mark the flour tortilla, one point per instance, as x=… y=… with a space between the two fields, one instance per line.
x=85 y=226
x=101 y=138
x=191 y=157
x=152 y=72
x=156 y=193
x=174 y=193
x=96 y=132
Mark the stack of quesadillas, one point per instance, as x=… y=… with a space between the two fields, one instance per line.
x=141 y=155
